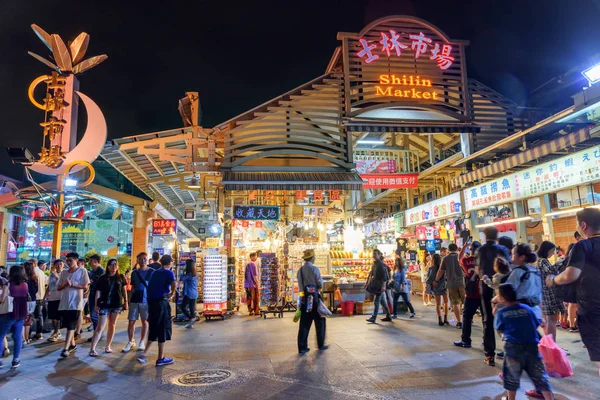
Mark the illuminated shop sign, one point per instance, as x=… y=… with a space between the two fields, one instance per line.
x=421 y=45
x=253 y=213
x=433 y=210
x=164 y=227
x=573 y=170
x=406 y=86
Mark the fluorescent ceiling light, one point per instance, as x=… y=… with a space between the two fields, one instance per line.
x=369 y=141
x=505 y=221
x=551 y=214
x=592 y=74
x=358 y=220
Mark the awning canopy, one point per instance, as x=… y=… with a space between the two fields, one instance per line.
x=292 y=181
x=365 y=125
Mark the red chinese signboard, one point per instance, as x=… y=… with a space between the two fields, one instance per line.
x=421 y=45
x=164 y=227
x=390 y=181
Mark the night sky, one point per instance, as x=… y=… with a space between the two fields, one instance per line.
x=239 y=54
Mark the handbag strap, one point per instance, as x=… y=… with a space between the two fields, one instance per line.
x=140 y=277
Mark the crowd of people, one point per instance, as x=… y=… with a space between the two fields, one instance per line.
x=29 y=297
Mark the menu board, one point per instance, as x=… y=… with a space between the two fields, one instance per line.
x=215 y=282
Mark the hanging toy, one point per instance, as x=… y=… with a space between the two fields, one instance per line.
x=80 y=213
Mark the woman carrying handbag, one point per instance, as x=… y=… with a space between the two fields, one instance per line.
x=401 y=287
x=376 y=285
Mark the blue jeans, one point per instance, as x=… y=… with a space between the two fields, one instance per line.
x=380 y=298
x=524 y=356
x=94 y=318
x=17 y=333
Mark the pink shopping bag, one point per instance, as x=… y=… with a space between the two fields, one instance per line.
x=555 y=358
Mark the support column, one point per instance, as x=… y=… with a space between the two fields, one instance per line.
x=139 y=244
x=431 y=150
x=58 y=225
x=410 y=198
x=519 y=212
x=547 y=223
x=3 y=236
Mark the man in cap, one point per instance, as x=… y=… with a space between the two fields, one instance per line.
x=309 y=283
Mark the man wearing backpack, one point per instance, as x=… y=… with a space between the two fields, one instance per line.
x=484 y=261
x=584 y=268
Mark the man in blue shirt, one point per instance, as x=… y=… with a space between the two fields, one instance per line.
x=138 y=303
x=160 y=291
x=517 y=323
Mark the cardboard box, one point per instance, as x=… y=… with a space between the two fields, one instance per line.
x=365 y=307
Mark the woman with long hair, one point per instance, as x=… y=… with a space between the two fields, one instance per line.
x=425 y=265
x=32 y=285
x=14 y=320
x=190 y=292
x=401 y=287
x=552 y=305
x=438 y=291
x=111 y=299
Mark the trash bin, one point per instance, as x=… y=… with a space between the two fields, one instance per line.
x=347 y=308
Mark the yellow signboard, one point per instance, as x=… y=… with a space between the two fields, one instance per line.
x=212 y=243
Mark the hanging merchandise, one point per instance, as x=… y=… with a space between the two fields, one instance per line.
x=271 y=295
x=215 y=285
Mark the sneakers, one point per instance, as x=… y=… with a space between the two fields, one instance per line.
x=190 y=324
x=371 y=320
x=54 y=337
x=500 y=354
x=142 y=359
x=64 y=353
x=489 y=360
x=16 y=364
x=73 y=348
x=128 y=347
x=440 y=321
x=387 y=319
x=38 y=336
x=6 y=352
x=141 y=346
x=446 y=320
x=164 y=361
x=462 y=344
x=574 y=330
x=394 y=316
x=412 y=315
x=459 y=325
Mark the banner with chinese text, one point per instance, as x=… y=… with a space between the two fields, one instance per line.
x=390 y=181
x=375 y=166
x=569 y=171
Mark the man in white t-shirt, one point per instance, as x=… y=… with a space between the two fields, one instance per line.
x=39 y=300
x=73 y=281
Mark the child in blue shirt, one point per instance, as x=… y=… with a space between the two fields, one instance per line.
x=518 y=325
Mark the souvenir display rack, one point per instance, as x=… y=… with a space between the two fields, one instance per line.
x=215 y=285
x=321 y=254
x=240 y=269
x=232 y=297
x=272 y=292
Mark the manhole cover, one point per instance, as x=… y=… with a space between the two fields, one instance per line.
x=204 y=377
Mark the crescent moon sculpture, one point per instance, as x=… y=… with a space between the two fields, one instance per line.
x=90 y=145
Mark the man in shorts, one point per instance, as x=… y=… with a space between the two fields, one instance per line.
x=160 y=291
x=138 y=306
x=584 y=268
x=72 y=282
x=95 y=274
x=455 y=278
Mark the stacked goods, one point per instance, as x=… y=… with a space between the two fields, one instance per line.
x=365 y=307
x=269 y=279
x=389 y=262
x=340 y=254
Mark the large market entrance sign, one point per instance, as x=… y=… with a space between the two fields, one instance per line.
x=404 y=60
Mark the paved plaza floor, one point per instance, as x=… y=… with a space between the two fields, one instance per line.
x=252 y=358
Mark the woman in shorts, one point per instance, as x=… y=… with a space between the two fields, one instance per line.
x=111 y=299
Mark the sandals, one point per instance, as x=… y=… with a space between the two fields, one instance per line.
x=93 y=353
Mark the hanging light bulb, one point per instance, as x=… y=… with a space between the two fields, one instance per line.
x=320 y=226
x=205 y=207
x=311 y=224
x=305 y=226
x=194 y=183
